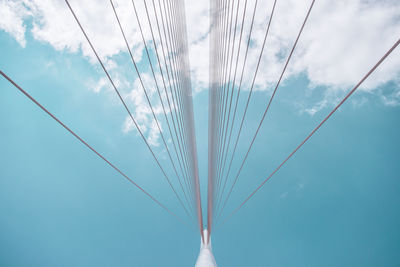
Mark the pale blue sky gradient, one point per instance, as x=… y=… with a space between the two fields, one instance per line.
x=335 y=203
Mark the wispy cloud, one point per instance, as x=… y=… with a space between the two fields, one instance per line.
x=12 y=19
x=142 y=113
x=97 y=86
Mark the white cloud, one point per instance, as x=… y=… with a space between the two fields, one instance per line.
x=142 y=112
x=392 y=98
x=340 y=42
x=197 y=16
x=329 y=98
x=53 y=23
x=344 y=39
x=12 y=16
x=99 y=85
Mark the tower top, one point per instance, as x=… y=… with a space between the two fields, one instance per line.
x=206 y=257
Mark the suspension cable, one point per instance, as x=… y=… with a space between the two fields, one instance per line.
x=127 y=109
x=319 y=125
x=273 y=94
x=89 y=146
x=181 y=159
x=147 y=97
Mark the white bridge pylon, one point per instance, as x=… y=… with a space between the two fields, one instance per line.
x=206 y=257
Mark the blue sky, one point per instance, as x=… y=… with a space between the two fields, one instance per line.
x=335 y=203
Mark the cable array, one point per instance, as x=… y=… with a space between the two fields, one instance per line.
x=174 y=45
x=167 y=55
x=172 y=37
x=395 y=45
x=225 y=91
x=166 y=21
x=226 y=35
